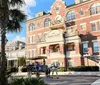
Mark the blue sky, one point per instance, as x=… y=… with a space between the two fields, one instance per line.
x=32 y=7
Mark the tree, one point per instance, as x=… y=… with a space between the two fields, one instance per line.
x=10 y=20
x=21 y=61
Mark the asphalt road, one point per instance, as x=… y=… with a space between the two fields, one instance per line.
x=71 y=80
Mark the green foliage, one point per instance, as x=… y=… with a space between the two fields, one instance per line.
x=12 y=69
x=84 y=68
x=61 y=69
x=21 y=61
x=28 y=81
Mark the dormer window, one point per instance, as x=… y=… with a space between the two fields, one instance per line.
x=57 y=8
x=47 y=22
x=31 y=27
x=81 y=1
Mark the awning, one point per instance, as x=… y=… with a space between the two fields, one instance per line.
x=38 y=58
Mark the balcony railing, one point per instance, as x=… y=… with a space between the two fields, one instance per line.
x=70 y=34
x=55 y=54
x=56 y=24
x=70 y=53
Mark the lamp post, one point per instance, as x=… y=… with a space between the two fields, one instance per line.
x=64 y=38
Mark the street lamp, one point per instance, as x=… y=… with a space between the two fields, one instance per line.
x=64 y=39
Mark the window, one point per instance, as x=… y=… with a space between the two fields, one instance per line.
x=70 y=16
x=95 y=46
x=85 y=47
x=95 y=9
x=54 y=48
x=28 y=39
x=81 y=12
x=70 y=47
x=44 y=50
x=99 y=25
x=33 y=39
x=57 y=8
x=46 y=22
x=83 y=27
x=93 y=26
x=32 y=53
x=31 y=27
x=39 y=37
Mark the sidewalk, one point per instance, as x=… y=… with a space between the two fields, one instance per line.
x=64 y=73
x=52 y=82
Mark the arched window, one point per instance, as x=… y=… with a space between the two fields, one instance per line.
x=70 y=15
x=46 y=22
x=31 y=26
x=95 y=9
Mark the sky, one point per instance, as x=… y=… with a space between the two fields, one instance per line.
x=32 y=7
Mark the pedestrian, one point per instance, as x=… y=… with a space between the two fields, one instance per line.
x=54 y=68
x=48 y=72
x=29 y=70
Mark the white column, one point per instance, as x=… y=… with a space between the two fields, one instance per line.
x=99 y=66
x=7 y=63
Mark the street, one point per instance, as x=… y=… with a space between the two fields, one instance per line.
x=72 y=80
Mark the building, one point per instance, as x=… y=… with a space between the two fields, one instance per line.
x=68 y=34
x=15 y=50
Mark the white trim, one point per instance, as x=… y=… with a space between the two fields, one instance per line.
x=95 y=21
x=85 y=42
x=94 y=40
x=83 y=24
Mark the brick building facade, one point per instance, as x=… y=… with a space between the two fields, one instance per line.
x=66 y=34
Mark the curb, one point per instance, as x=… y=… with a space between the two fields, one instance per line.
x=97 y=82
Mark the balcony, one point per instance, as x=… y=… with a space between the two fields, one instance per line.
x=55 y=55
x=43 y=54
x=56 y=24
x=69 y=33
x=70 y=53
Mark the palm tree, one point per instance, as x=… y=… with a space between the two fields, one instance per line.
x=10 y=20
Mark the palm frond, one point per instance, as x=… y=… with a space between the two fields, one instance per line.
x=13 y=26
x=16 y=2
x=16 y=18
x=18 y=15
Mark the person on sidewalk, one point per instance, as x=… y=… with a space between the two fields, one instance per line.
x=29 y=70
x=47 y=72
x=54 y=68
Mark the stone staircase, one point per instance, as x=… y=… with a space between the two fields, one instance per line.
x=94 y=58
